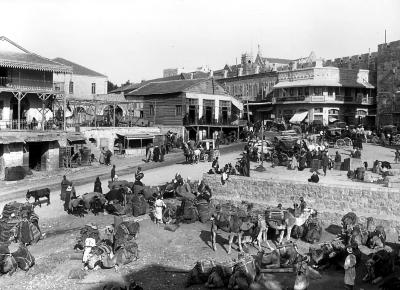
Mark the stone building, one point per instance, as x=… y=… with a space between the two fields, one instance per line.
x=388 y=59
x=83 y=82
x=328 y=94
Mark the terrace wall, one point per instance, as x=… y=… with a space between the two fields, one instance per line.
x=331 y=201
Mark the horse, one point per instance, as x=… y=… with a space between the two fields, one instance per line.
x=232 y=224
x=196 y=155
x=288 y=221
x=37 y=194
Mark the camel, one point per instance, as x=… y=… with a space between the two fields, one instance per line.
x=232 y=224
x=286 y=221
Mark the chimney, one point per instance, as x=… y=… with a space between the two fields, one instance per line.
x=211 y=73
x=240 y=72
x=257 y=70
x=225 y=73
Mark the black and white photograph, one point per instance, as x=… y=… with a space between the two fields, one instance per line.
x=200 y=144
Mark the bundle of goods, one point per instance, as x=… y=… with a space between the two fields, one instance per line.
x=88 y=231
x=20 y=222
x=187 y=212
x=119 y=183
x=203 y=208
x=139 y=205
x=20 y=258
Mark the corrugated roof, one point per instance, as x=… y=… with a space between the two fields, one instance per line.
x=42 y=138
x=10 y=139
x=134 y=86
x=168 y=87
x=136 y=136
x=78 y=69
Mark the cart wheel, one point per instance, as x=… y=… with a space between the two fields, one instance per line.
x=340 y=143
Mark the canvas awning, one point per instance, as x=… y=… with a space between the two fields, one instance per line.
x=10 y=139
x=332 y=119
x=76 y=139
x=298 y=117
x=42 y=138
x=136 y=136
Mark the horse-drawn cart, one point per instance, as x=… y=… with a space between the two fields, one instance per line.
x=208 y=150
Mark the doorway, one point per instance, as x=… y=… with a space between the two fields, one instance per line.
x=209 y=115
x=224 y=115
x=37 y=155
x=192 y=114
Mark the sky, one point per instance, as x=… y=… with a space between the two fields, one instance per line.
x=135 y=40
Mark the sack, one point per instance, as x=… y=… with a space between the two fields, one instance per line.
x=7 y=230
x=115 y=209
x=203 y=208
x=139 y=205
x=16 y=208
x=226 y=268
x=137 y=189
x=190 y=214
x=24 y=258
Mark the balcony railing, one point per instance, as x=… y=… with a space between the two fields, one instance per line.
x=31 y=84
x=203 y=121
x=7 y=125
x=326 y=99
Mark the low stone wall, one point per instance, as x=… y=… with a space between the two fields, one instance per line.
x=331 y=201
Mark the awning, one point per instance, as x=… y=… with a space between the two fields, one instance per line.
x=10 y=139
x=332 y=119
x=136 y=136
x=298 y=117
x=42 y=138
x=76 y=139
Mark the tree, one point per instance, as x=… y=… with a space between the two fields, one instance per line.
x=111 y=86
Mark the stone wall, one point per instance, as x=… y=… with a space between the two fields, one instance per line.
x=331 y=201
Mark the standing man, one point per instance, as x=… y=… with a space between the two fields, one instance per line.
x=215 y=165
x=64 y=185
x=138 y=176
x=69 y=194
x=324 y=162
x=113 y=173
x=349 y=269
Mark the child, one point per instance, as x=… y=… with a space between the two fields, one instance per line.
x=396 y=156
x=158 y=211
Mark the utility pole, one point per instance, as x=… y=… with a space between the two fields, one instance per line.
x=261 y=167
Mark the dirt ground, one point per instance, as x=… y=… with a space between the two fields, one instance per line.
x=161 y=251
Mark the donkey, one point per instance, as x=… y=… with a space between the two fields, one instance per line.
x=37 y=194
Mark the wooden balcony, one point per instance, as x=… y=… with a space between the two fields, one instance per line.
x=31 y=85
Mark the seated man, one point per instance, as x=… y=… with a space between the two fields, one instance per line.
x=314 y=177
